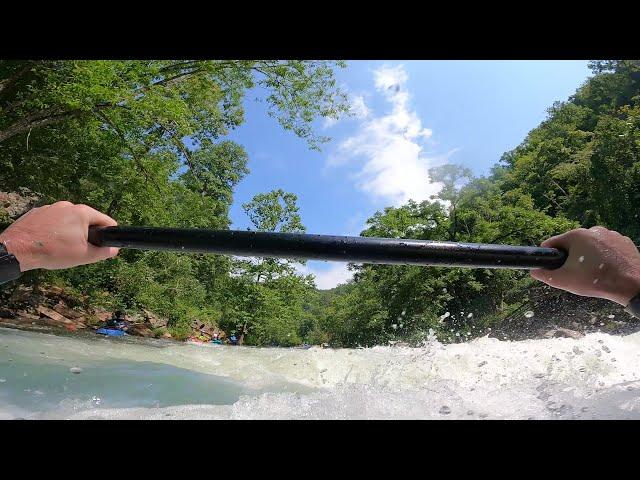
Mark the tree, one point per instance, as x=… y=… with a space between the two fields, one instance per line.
x=145 y=142
x=268 y=307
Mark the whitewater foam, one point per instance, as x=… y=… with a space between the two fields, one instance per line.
x=597 y=376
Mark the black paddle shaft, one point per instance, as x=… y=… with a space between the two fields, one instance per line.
x=328 y=247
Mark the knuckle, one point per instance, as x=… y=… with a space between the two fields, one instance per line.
x=63 y=203
x=83 y=208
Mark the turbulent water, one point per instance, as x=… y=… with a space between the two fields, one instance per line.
x=47 y=376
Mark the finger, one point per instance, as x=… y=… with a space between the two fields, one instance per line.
x=559 y=241
x=94 y=217
x=97 y=254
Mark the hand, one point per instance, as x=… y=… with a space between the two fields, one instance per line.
x=601 y=263
x=55 y=237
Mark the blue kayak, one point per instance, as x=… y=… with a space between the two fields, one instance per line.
x=110 y=332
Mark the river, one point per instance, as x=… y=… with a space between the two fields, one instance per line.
x=45 y=376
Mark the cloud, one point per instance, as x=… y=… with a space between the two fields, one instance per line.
x=358 y=108
x=393 y=165
x=326 y=278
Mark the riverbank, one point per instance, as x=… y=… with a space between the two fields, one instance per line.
x=546 y=313
x=50 y=308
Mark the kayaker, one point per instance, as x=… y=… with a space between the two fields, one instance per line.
x=117 y=322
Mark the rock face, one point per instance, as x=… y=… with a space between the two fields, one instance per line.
x=51 y=308
x=16 y=204
x=154 y=320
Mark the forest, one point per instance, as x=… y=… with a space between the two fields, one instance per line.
x=146 y=142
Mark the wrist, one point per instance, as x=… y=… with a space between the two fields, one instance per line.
x=627 y=288
x=17 y=248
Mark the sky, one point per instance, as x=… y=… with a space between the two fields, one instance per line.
x=408 y=117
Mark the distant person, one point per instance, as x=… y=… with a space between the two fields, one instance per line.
x=233 y=340
x=117 y=322
x=601 y=263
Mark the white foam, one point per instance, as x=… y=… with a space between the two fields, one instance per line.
x=597 y=376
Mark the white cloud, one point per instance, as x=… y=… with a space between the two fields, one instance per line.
x=358 y=108
x=395 y=168
x=336 y=274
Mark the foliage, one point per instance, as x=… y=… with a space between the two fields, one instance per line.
x=145 y=141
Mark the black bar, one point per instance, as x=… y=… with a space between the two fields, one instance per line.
x=328 y=247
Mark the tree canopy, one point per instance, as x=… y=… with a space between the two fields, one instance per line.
x=145 y=141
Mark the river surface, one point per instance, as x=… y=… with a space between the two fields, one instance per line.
x=90 y=377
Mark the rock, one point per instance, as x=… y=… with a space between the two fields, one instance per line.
x=166 y=335
x=23 y=314
x=16 y=204
x=154 y=320
x=140 y=330
x=75 y=370
x=52 y=314
x=102 y=316
x=566 y=333
x=62 y=309
x=20 y=294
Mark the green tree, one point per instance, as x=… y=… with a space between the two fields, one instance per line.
x=268 y=307
x=145 y=142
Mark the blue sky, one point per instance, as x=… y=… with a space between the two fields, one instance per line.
x=409 y=116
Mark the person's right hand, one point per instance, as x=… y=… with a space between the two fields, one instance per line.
x=55 y=237
x=601 y=263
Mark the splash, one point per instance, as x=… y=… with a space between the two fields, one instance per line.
x=597 y=376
